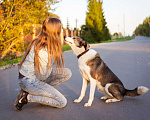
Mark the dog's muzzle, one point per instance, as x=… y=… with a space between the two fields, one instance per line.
x=66 y=40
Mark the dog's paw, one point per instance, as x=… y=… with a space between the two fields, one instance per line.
x=104 y=98
x=87 y=104
x=108 y=101
x=111 y=100
x=77 y=101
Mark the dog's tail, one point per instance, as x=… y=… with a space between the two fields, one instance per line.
x=136 y=92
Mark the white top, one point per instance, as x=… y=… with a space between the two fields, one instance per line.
x=28 y=69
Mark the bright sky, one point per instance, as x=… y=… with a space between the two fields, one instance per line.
x=133 y=12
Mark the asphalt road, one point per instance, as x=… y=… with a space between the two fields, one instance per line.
x=130 y=61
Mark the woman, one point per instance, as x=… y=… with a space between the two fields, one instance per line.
x=37 y=77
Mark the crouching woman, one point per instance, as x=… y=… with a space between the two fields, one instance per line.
x=42 y=68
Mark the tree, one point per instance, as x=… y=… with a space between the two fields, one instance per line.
x=120 y=34
x=143 y=29
x=95 y=27
x=115 y=35
x=18 y=18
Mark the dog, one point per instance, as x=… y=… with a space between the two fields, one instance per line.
x=94 y=70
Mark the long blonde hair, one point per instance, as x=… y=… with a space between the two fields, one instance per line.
x=48 y=38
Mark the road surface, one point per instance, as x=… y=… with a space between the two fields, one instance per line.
x=130 y=61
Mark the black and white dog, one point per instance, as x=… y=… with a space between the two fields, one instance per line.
x=94 y=70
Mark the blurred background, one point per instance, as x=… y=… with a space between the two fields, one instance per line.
x=95 y=21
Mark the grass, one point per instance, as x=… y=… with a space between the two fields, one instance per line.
x=119 y=39
x=10 y=61
x=65 y=47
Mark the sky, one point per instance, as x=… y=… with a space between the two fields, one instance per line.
x=121 y=15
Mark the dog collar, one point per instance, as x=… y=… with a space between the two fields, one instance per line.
x=82 y=53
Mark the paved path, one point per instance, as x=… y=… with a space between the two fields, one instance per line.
x=130 y=61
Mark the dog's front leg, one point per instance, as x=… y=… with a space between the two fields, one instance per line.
x=84 y=86
x=92 y=91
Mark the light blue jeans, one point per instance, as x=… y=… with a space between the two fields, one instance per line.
x=43 y=91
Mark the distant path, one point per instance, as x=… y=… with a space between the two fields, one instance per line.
x=130 y=61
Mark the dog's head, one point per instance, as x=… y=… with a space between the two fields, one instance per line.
x=76 y=43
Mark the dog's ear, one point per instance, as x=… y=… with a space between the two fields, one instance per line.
x=88 y=46
x=83 y=43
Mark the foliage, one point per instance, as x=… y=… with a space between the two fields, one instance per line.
x=115 y=35
x=120 y=34
x=95 y=29
x=143 y=29
x=16 y=22
x=1 y=13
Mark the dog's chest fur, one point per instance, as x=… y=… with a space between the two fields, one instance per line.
x=86 y=65
x=84 y=69
x=83 y=62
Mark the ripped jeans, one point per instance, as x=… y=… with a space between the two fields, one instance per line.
x=43 y=91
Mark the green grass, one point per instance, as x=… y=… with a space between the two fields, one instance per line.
x=119 y=39
x=12 y=61
x=65 y=47
x=125 y=38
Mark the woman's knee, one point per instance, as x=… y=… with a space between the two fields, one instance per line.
x=68 y=73
x=63 y=103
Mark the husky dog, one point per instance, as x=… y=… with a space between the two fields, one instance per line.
x=94 y=70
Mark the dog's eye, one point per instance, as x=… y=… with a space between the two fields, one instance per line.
x=74 y=38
